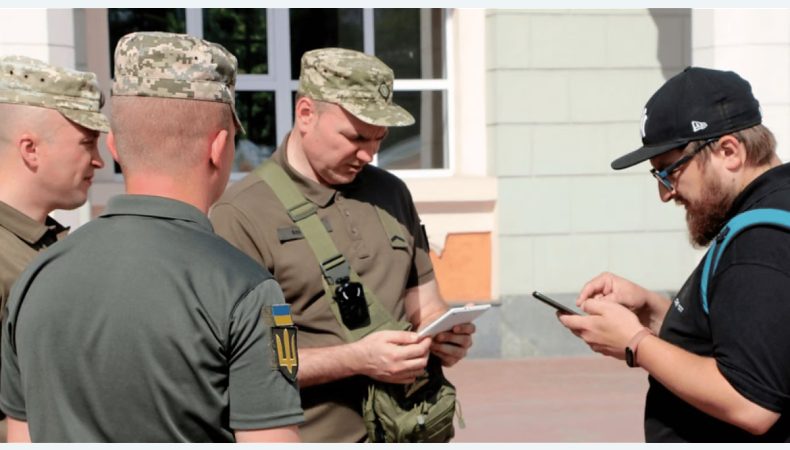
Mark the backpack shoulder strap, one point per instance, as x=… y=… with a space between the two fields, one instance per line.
x=736 y=225
x=334 y=266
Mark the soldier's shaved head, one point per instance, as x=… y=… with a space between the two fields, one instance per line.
x=165 y=134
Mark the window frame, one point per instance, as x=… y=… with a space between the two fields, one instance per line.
x=280 y=82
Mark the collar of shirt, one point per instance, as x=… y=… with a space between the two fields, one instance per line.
x=771 y=181
x=152 y=206
x=26 y=228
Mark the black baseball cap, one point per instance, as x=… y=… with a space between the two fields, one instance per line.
x=693 y=105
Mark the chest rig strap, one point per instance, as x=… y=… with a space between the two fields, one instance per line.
x=335 y=269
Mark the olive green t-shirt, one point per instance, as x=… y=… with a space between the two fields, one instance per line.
x=251 y=217
x=144 y=326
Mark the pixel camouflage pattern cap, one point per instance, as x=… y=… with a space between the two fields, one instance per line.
x=360 y=83
x=74 y=94
x=169 y=65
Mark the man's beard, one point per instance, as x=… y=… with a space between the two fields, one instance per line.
x=706 y=217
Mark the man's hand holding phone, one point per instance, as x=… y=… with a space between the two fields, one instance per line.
x=561 y=309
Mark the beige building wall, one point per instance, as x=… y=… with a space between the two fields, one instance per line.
x=756 y=44
x=566 y=89
x=566 y=92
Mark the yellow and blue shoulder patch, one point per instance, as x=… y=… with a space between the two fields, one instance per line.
x=284 y=341
x=282 y=315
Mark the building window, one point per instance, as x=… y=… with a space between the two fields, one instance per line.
x=270 y=42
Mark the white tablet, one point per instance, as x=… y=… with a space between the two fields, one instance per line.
x=453 y=317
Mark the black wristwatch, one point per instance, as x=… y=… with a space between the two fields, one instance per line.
x=630 y=349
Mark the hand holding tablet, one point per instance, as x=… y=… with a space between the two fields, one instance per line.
x=453 y=317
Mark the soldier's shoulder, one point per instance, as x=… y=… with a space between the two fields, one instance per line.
x=251 y=188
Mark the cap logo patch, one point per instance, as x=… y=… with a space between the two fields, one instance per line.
x=698 y=126
x=643 y=123
x=384 y=90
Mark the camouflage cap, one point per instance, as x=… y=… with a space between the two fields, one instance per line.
x=168 y=65
x=360 y=83
x=74 y=94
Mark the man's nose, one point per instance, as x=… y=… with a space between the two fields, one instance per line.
x=664 y=193
x=97 y=161
x=366 y=152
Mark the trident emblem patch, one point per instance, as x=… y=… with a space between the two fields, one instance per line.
x=284 y=341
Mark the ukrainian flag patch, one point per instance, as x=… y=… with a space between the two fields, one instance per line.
x=282 y=315
x=284 y=341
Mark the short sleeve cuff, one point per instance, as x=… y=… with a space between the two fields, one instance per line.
x=289 y=418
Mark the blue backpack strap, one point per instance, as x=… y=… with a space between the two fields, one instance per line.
x=748 y=219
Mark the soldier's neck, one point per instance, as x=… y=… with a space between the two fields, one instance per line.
x=296 y=158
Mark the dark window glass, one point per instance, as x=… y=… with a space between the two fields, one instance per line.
x=411 y=41
x=419 y=146
x=243 y=33
x=316 y=28
x=256 y=112
x=123 y=21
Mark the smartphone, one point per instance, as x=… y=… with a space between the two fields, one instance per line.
x=554 y=304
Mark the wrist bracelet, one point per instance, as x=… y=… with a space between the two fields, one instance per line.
x=630 y=349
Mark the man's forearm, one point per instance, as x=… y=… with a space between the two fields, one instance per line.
x=18 y=431
x=655 y=309
x=326 y=364
x=698 y=381
x=280 y=434
x=424 y=304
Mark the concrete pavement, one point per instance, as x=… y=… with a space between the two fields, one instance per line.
x=569 y=399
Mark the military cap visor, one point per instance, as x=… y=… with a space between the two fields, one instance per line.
x=74 y=94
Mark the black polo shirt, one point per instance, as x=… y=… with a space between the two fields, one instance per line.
x=747 y=330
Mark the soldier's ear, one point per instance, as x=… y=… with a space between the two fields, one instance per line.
x=27 y=146
x=219 y=148
x=305 y=113
x=111 y=146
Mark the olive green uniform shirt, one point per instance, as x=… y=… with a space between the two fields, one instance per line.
x=251 y=217
x=21 y=238
x=143 y=325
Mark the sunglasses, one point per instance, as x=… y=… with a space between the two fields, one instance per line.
x=663 y=175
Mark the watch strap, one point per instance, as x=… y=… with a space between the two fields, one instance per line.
x=633 y=344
